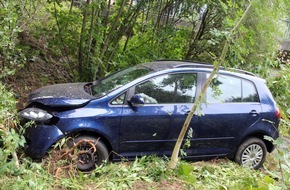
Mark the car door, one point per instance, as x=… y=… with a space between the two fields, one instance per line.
x=232 y=105
x=154 y=127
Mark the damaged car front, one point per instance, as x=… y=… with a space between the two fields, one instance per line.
x=88 y=115
x=45 y=105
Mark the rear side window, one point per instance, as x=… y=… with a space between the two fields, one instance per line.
x=227 y=89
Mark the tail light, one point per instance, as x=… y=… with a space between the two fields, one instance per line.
x=278 y=114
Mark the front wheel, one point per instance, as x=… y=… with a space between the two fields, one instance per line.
x=251 y=153
x=91 y=152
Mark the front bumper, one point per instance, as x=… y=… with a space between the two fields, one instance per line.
x=40 y=138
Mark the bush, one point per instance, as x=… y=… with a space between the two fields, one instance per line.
x=10 y=139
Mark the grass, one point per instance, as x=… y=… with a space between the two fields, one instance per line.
x=148 y=173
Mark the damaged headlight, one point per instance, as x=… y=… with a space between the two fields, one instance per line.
x=35 y=114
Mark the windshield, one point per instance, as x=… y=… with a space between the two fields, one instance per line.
x=118 y=79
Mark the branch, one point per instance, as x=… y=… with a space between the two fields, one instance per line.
x=75 y=145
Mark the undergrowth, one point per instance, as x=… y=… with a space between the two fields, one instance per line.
x=148 y=173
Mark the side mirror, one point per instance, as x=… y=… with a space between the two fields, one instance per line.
x=136 y=101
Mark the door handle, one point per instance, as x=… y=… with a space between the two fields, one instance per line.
x=254 y=113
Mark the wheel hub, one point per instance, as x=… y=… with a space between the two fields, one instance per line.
x=252 y=155
x=86 y=158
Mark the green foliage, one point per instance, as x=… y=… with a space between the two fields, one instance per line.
x=256 y=40
x=10 y=140
x=61 y=28
x=122 y=175
x=282 y=159
x=27 y=176
x=280 y=87
x=95 y=39
x=224 y=175
x=145 y=172
x=184 y=171
x=11 y=55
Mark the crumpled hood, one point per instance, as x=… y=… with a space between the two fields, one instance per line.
x=68 y=94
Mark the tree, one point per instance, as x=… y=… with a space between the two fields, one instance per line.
x=230 y=39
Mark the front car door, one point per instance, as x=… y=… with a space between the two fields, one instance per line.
x=154 y=128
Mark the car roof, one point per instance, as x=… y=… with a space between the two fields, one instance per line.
x=170 y=64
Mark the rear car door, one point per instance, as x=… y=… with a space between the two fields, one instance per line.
x=232 y=105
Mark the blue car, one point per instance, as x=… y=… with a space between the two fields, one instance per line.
x=141 y=110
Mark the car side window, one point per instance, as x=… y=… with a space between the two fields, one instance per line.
x=249 y=92
x=119 y=100
x=170 y=88
x=227 y=89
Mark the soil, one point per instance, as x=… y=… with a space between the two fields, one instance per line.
x=35 y=74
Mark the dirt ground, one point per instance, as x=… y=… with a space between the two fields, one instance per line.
x=33 y=75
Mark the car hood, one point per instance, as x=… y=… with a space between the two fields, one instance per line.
x=69 y=94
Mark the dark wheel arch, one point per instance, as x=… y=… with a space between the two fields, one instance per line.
x=269 y=145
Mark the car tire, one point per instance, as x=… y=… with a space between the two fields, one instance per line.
x=87 y=158
x=251 y=153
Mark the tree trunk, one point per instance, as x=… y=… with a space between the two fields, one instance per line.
x=107 y=41
x=82 y=38
x=198 y=31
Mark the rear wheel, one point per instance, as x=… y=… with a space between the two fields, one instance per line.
x=91 y=152
x=251 y=153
